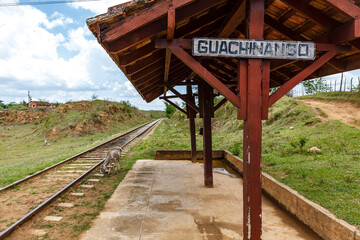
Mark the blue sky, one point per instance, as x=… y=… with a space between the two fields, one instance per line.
x=49 y=51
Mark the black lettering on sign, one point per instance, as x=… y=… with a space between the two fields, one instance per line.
x=258 y=47
x=211 y=49
x=291 y=49
x=268 y=49
x=303 y=50
x=245 y=48
x=223 y=48
x=202 y=46
x=250 y=48
x=280 y=49
x=235 y=51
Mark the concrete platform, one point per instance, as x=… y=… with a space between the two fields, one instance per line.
x=167 y=200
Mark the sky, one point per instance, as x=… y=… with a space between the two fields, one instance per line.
x=49 y=51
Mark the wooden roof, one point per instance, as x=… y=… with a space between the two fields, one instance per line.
x=128 y=31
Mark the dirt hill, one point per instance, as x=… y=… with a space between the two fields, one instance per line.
x=75 y=118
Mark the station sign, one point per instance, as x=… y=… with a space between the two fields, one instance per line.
x=245 y=48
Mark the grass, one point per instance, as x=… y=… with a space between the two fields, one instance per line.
x=338 y=96
x=330 y=178
x=22 y=150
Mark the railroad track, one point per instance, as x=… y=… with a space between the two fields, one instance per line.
x=26 y=197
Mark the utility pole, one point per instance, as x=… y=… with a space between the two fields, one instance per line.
x=29 y=99
x=342 y=76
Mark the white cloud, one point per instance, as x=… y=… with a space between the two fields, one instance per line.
x=97 y=7
x=32 y=58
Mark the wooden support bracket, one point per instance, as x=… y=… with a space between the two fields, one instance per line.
x=222 y=102
x=176 y=106
x=346 y=7
x=301 y=76
x=205 y=74
x=184 y=98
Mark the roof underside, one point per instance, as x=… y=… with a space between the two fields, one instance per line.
x=128 y=35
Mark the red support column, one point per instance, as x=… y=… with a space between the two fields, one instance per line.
x=208 y=110
x=252 y=130
x=192 y=114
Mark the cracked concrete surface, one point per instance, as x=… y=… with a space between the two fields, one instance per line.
x=167 y=200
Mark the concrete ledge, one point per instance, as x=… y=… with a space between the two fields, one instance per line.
x=324 y=223
x=185 y=155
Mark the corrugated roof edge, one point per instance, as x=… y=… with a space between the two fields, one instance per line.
x=117 y=10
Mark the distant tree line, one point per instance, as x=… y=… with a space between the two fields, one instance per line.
x=13 y=105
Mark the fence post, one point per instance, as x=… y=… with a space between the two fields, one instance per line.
x=341 y=81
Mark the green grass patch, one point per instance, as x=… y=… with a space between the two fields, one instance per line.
x=353 y=97
x=22 y=150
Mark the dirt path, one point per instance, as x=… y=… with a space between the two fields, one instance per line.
x=346 y=113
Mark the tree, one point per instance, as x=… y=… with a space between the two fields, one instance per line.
x=169 y=109
x=2 y=105
x=315 y=85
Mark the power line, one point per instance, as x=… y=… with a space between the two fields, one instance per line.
x=44 y=3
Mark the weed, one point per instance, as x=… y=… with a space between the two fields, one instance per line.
x=83 y=227
x=321 y=112
x=46 y=226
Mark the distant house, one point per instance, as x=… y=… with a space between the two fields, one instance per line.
x=40 y=104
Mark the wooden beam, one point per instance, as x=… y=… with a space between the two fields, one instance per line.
x=222 y=102
x=300 y=77
x=143 y=64
x=203 y=21
x=192 y=116
x=136 y=21
x=344 y=33
x=173 y=104
x=208 y=111
x=184 y=98
x=149 y=70
x=265 y=87
x=272 y=23
x=164 y=43
x=128 y=39
x=205 y=74
x=347 y=7
x=170 y=35
x=314 y=14
x=236 y=17
x=137 y=54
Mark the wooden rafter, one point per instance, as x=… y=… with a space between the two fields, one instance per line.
x=219 y=104
x=170 y=35
x=314 y=14
x=185 y=98
x=234 y=19
x=344 y=33
x=346 y=7
x=300 y=77
x=173 y=104
x=135 y=22
x=205 y=74
x=128 y=37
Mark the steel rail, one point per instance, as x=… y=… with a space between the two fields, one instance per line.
x=6 y=232
x=70 y=159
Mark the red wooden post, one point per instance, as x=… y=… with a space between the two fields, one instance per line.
x=208 y=110
x=191 y=114
x=252 y=130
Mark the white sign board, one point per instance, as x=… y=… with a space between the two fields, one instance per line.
x=245 y=48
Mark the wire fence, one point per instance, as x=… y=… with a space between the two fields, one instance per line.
x=334 y=85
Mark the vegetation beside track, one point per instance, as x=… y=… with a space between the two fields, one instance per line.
x=330 y=178
x=353 y=97
x=70 y=128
